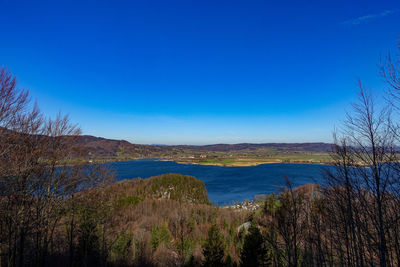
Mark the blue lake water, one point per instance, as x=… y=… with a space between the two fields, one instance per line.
x=226 y=185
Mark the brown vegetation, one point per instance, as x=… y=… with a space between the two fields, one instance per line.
x=54 y=214
x=34 y=178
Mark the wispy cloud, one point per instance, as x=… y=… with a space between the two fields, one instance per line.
x=369 y=17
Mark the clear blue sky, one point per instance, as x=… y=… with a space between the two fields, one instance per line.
x=198 y=72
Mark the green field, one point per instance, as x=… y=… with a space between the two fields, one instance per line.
x=252 y=160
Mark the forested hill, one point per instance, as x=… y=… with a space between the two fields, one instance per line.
x=99 y=147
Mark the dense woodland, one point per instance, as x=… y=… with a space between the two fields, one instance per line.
x=58 y=212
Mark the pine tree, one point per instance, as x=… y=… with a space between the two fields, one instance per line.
x=159 y=234
x=253 y=252
x=213 y=249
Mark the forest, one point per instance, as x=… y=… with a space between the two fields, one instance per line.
x=59 y=211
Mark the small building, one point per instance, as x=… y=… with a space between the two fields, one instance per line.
x=203 y=156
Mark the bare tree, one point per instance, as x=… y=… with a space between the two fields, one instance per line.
x=363 y=180
x=287 y=220
x=36 y=175
x=390 y=72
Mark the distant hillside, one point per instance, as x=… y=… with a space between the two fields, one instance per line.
x=103 y=149
x=279 y=147
x=99 y=147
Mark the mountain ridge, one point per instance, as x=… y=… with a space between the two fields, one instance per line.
x=103 y=147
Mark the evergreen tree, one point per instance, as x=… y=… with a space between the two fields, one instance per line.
x=229 y=262
x=88 y=250
x=159 y=234
x=253 y=252
x=213 y=249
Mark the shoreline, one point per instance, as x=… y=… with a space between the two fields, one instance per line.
x=246 y=164
x=234 y=164
x=237 y=163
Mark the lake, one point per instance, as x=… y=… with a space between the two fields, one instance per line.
x=226 y=185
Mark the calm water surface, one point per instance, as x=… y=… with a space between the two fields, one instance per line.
x=226 y=185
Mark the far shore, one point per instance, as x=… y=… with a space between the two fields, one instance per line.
x=231 y=164
x=246 y=164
